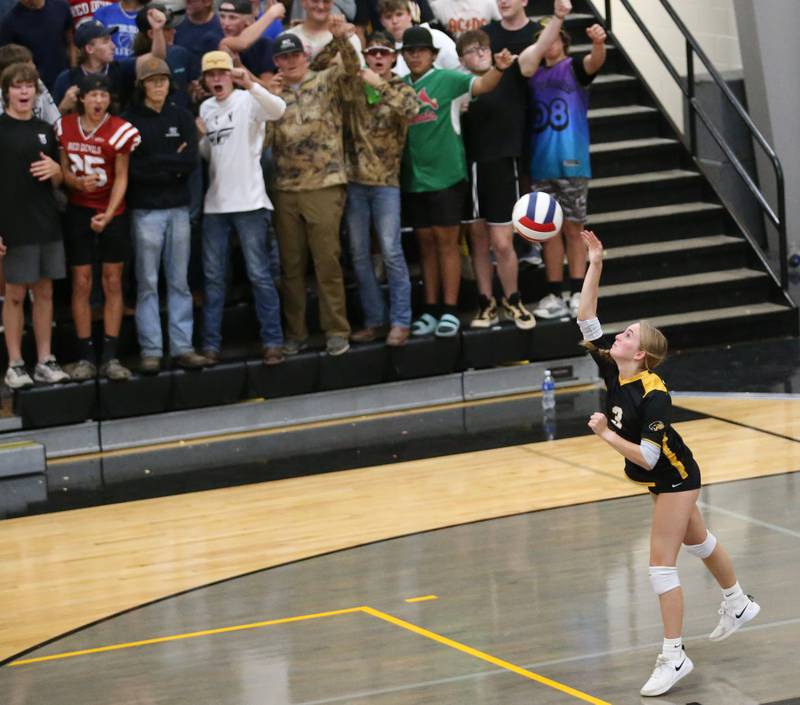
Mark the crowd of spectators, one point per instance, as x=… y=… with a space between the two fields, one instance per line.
x=319 y=127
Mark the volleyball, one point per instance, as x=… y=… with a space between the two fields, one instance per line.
x=537 y=216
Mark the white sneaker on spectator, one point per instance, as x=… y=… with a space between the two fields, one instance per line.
x=49 y=371
x=731 y=618
x=551 y=306
x=17 y=376
x=574 y=304
x=667 y=672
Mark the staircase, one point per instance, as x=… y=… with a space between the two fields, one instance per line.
x=673 y=252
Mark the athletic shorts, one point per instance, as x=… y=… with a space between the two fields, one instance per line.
x=670 y=480
x=571 y=194
x=494 y=189
x=85 y=246
x=427 y=209
x=27 y=264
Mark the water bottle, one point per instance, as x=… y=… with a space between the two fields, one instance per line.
x=548 y=391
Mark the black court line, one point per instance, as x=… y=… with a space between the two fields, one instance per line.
x=752 y=428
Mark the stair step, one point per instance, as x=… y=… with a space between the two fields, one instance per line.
x=622 y=78
x=651 y=177
x=663 y=248
x=628 y=145
x=586 y=48
x=670 y=284
x=705 y=316
x=637 y=214
x=621 y=111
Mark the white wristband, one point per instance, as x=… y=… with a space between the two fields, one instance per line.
x=591 y=329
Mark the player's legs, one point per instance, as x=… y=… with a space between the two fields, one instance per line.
x=737 y=608
x=481 y=259
x=13 y=319
x=671 y=514
x=429 y=263
x=81 y=291
x=502 y=240
x=43 y=317
x=448 y=259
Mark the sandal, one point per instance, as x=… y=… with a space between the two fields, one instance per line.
x=448 y=326
x=424 y=325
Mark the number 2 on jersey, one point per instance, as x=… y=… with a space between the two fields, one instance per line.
x=89 y=165
x=616 y=416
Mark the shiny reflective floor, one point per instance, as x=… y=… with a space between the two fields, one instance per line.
x=549 y=603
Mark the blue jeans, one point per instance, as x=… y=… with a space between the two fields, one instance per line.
x=381 y=204
x=252 y=228
x=163 y=234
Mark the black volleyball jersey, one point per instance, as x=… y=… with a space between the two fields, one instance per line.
x=639 y=409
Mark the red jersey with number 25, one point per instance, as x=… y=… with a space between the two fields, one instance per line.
x=95 y=153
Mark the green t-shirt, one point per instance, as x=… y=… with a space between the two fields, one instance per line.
x=433 y=158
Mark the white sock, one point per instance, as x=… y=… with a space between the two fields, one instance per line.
x=673 y=649
x=734 y=596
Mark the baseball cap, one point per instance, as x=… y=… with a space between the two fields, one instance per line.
x=217 y=60
x=143 y=24
x=92 y=29
x=93 y=82
x=286 y=43
x=151 y=66
x=418 y=38
x=241 y=7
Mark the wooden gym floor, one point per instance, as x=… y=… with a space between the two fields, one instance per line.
x=520 y=577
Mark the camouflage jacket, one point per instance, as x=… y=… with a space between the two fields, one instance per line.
x=376 y=132
x=307 y=141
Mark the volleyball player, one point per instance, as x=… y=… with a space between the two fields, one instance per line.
x=637 y=425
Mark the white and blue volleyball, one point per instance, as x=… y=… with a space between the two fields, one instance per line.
x=537 y=216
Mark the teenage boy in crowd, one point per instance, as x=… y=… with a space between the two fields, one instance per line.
x=310 y=184
x=31 y=243
x=44 y=107
x=45 y=27
x=493 y=130
x=244 y=37
x=560 y=156
x=231 y=124
x=158 y=196
x=434 y=174
x=396 y=18
x=96 y=57
x=95 y=152
x=377 y=124
x=315 y=32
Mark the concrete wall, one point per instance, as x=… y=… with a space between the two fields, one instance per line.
x=712 y=22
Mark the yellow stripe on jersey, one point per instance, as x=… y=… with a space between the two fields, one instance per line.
x=651 y=382
x=677 y=464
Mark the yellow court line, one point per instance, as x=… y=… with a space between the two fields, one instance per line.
x=178 y=637
x=485 y=657
x=333 y=613
x=423 y=598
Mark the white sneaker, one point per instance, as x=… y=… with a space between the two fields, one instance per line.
x=666 y=674
x=50 y=372
x=533 y=257
x=17 y=376
x=731 y=619
x=551 y=306
x=574 y=304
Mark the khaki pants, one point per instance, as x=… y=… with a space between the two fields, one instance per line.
x=309 y=221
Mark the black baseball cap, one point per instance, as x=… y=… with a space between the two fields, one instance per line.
x=93 y=82
x=143 y=24
x=92 y=29
x=418 y=38
x=287 y=43
x=240 y=7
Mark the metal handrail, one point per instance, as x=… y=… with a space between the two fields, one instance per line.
x=688 y=89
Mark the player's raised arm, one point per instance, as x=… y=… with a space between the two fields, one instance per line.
x=591 y=282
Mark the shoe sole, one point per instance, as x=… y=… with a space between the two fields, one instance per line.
x=680 y=677
x=484 y=324
x=740 y=623
x=550 y=316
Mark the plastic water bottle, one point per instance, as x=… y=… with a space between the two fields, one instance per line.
x=548 y=391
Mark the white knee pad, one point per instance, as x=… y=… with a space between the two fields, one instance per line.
x=705 y=549
x=664 y=578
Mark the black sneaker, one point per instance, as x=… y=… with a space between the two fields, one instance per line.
x=516 y=311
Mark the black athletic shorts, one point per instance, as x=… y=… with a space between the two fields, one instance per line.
x=494 y=189
x=85 y=246
x=667 y=478
x=427 y=209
